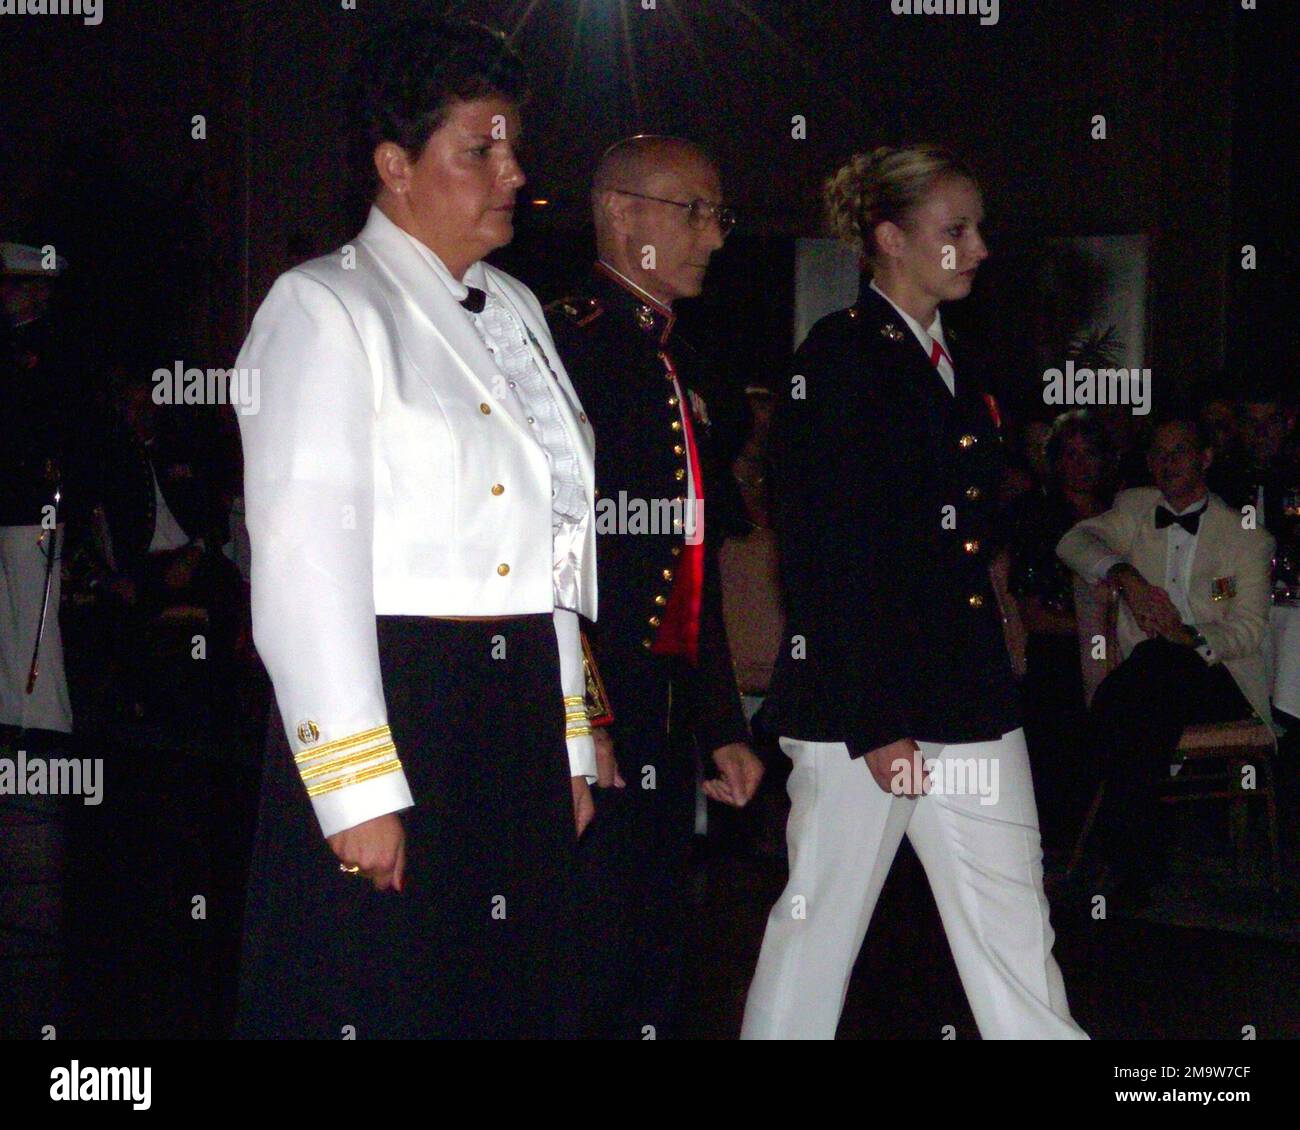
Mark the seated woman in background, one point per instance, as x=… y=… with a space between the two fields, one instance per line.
x=1043 y=588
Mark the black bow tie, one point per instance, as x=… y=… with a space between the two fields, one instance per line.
x=1190 y=522
x=475 y=300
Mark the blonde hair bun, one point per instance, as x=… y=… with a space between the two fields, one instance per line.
x=886 y=184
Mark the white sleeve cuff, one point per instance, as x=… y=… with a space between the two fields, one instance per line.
x=573 y=683
x=1104 y=566
x=355 y=804
x=582 y=757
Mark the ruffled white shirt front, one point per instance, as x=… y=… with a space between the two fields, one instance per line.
x=526 y=376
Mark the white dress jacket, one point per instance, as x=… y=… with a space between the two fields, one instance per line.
x=1228 y=589
x=386 y=472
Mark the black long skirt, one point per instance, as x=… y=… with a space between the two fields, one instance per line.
x=482 y=943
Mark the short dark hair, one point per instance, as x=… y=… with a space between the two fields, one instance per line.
x=1201 y=431
x=407 y=74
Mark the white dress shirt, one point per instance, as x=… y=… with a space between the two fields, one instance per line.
x=167 y=532
x=927 y=338
x=1180 y=554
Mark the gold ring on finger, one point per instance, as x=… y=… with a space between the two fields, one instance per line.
x=349 y=870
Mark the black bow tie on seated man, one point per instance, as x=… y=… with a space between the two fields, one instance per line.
x=475 y=300
x=1190 y=522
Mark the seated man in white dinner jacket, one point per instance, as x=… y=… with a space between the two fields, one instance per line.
x=1194 y=578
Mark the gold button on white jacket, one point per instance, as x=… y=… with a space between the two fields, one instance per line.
x=369 y=468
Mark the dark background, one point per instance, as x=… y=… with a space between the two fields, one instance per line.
x=174 y=241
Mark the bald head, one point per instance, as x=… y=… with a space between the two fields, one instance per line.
x=651 y=241
x=630 y=163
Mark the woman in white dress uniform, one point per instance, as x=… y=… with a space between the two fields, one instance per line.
x=419 y=490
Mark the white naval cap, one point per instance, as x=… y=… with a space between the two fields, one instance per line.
x=19 y=259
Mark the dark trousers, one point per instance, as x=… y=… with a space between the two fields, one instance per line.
x=1055 y=714
x=637 y=911
x=1137 y=717
x=485 y=940
x=634 y=867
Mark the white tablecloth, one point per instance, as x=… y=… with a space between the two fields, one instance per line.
x=1284 y=636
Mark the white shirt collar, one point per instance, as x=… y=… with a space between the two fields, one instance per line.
x=925 y=337
x=1202 y=502
x=639 y=291
x=475 y=276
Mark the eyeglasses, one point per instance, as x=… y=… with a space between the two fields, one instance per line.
x=698 y=212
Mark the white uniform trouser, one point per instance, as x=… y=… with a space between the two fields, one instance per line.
x=22 y=588
x=984 y=864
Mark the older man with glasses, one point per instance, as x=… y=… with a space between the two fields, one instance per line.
x=660 y=643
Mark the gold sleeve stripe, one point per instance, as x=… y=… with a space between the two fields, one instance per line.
x=577 y=731
x=391 y=766
x=350 y=757
x=336 y=764
x=573 y=700
x=340 y=745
